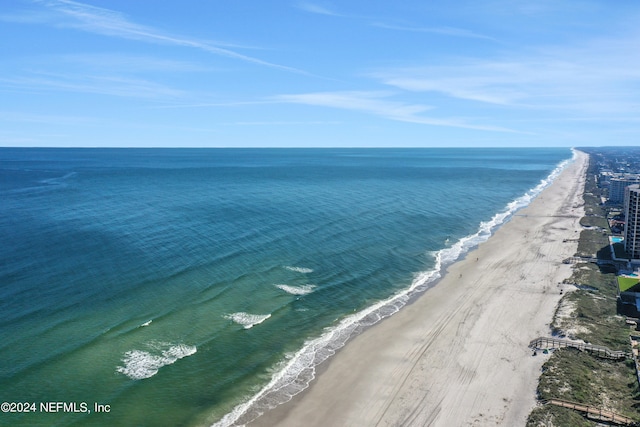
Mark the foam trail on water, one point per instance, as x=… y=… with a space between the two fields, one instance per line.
x=303 y=270
x=247 y=320
x=298 y=369
x=297 y=290
x=141 y=364
x=58 y=180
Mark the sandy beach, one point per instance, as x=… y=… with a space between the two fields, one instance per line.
x=458 y=355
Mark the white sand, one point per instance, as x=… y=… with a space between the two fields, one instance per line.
x=458 y=356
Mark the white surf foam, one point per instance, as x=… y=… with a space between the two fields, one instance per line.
x=297 y=290
x=303 y=270
x=141 y=364
x=486 y=228
x=146 y=323
x=298 y=370
x=58 y=180
x=247 y=320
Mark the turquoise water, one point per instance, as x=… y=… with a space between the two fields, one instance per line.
x=193 y=287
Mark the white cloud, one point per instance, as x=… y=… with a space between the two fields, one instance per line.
x=112 y=23
x=96 y=84
x=315 y=8
x=27 y=17
x=123 y=63
x=52 y=119
x=371 y=102
x=445 y=31
x=599 y=77
x=376 y=103
x=286 y=123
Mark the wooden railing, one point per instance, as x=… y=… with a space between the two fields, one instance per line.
x=593 y=412
x=579 y=259
x=600 y=351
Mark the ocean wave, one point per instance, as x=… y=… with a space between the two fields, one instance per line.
x=57 y=180
x=42 y=185
x=141 y=364
x=295 y=373
x=486 y=228
x=247 y=320
x=303 y=270
x=297 y=370
x=297 y=290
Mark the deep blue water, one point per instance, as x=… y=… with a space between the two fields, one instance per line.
x=176 y=284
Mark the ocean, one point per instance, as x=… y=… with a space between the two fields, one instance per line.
x=198 y=287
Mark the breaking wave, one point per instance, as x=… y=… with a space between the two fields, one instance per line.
x=141 y=364
x=247 y=320
x=297 y=290
x=303 y=270
x=295 y=373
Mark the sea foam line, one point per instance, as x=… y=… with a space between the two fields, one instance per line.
x=58 y=180
x=303 y=270
x=247 y=320
x=297 y=290
x=140 y=364
x=298 y=369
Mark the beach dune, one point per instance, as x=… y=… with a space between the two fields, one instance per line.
x=458 y=355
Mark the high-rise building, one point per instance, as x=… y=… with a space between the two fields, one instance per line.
x=632 y=220
x=617 y=185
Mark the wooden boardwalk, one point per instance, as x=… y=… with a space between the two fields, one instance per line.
x=603 y=352
x=579 y=259
x=549 y=216
x=594 y=413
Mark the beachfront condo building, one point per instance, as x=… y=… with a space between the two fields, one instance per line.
x=632 y=225
x=618 y=184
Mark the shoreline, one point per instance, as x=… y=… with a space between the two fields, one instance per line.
x=458 y=353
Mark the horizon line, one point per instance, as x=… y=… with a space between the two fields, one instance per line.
x=307 y=147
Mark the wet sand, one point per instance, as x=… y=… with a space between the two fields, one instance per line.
x=458 y=355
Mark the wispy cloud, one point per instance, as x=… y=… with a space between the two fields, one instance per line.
x=317 y=9
x=115 y=24
x=95 y=84
x=224 y=104
x=445 y=31
x=52 y=119
x=286 y=123
x=26 y=17
x=599 y=77
x=378 y=104
x=118 y=62
x=471 y=81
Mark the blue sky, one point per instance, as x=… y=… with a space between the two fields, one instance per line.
x=231 y=73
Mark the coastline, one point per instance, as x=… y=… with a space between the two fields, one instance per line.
x=458 y=354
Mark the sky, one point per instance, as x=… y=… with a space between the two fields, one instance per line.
x=350 y=73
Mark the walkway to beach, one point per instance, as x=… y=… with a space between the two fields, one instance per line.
x=600 y=351
x=594 y=413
